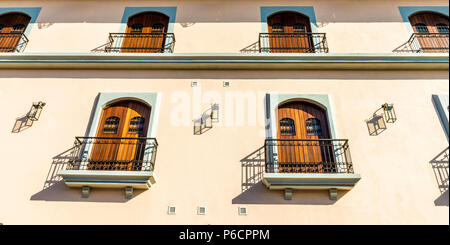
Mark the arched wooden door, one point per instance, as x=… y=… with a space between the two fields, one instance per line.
x=290 y=32
x=119 y=143
x=12 y=27
x=432 y=29
x=145 y=33
x=299 y=120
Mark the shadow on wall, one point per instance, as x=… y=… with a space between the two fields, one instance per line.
x=204 y=123
x=21 y=124
x=440 y=165
x=55 y=190
x=253 y=190
x=376 y=125
x=252 y=48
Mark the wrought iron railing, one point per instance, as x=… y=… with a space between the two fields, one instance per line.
x=113 y=153
x=305 y=42
x=12 y=42
x=425 y=43
x=307 y=156
x=141 y=42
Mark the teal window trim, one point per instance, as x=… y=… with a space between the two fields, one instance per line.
x=33 y=12
x=104 y=99
x=406 y=11
x=441 y=103
x=273 y=100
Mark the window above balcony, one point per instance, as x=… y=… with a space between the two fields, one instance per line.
x=120 y=155
x=310 y=158
x=12 y=28
x=145 y=33
x=430 y=34
x=290 y=32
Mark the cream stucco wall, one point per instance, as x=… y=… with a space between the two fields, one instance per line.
x=398 y=184
x=218 y=26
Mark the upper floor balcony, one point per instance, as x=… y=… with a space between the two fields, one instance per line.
x=141 y=43
x=426 y=43
x=293 y=43
x=12 y=42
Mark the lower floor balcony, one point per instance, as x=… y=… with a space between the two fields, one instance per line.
x=308 y=164
x=111 y=162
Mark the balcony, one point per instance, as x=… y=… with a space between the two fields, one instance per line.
x=425 y=43
x=281 y=42
x=103 y=162
x=308 y=164
x=12 y=42
x=141 y=43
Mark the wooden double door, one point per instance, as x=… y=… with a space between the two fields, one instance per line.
x=303 y=130
x=120 y=139
x=12 y=27
x=145 y=33
x=433 y=31
x=290 y=32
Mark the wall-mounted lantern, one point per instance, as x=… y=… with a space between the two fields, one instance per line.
x=389 y=112
x=215 y=112
x=35 y=111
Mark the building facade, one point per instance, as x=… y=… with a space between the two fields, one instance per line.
x=224 y=112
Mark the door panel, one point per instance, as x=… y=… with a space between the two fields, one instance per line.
x=303 y=156
x=151 y=35
x=120 y=150
x=12 y=27
x=426 y=22
x=291 y=38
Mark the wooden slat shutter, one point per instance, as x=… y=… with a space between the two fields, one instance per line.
x=151 y=37
x=290 y=39
x=430 y=20
x=12 y=26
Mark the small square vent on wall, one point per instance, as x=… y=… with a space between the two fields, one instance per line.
x=201 y=210
x=242 y=211
x=172 y=210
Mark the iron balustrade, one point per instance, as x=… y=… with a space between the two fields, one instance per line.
x=307 y=156
x=12 y=42
x=425 y=43
x=303 y=42
x=113 y=153
x=141 y=42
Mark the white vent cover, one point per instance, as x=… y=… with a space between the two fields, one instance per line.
x=201 y=210
x=242 y=210
x=171 y=210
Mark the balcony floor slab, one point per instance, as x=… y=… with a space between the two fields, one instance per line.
x=108 y=179
x=310 y=181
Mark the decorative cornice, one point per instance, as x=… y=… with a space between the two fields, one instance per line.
x=212 y=61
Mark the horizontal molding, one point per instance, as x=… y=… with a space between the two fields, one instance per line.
x=212 y=61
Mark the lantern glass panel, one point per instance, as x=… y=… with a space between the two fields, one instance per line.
x=389 y=113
